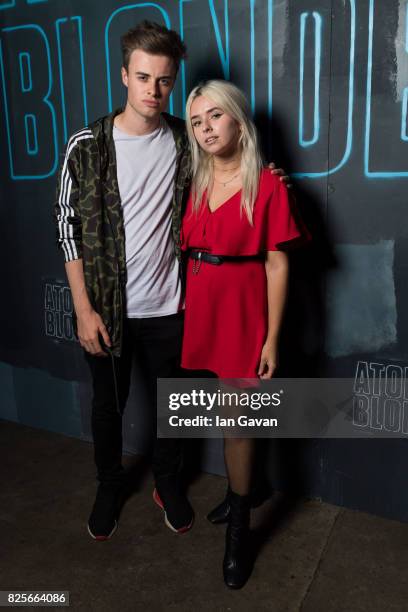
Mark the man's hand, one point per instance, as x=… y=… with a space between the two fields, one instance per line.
x=90 y=325
x=280 y=171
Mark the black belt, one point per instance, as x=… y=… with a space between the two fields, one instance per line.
x=217 y=260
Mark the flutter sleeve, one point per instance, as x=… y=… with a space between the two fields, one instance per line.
x=284 y=228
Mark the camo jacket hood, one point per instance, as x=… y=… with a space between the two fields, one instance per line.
x=89 y=217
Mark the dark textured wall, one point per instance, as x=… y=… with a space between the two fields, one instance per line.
x=328 y=84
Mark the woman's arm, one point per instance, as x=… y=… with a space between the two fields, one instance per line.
x=277 y=270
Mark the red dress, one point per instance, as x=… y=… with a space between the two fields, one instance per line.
x=226 y=318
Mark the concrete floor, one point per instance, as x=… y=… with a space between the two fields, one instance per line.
x=314 y=557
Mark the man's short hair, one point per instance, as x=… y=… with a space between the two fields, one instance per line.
x=154 y=39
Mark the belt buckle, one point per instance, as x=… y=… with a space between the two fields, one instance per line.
x=197 y=263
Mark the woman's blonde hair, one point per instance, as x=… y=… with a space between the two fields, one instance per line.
x=232 y=101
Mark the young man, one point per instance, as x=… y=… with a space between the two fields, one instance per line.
x=121 y=191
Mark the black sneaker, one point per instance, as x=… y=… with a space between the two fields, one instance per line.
x=103 y=520
x=178 y=513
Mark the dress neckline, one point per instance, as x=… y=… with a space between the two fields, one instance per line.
x=212 y=212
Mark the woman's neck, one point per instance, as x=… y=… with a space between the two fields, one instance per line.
x=227 y=162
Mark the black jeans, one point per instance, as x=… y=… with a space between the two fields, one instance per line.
x=156 y=344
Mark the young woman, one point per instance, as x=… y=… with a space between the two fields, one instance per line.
x=238 y=221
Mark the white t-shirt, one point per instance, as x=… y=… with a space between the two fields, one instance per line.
x=145 y=167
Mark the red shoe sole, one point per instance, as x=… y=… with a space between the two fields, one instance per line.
x=103 y=538
x=158 y=501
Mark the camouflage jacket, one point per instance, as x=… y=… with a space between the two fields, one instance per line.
x=89 y=217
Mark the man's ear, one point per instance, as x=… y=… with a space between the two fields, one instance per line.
x=124 y=76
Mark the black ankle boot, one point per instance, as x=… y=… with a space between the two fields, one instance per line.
x=259 y=494
x=220 y=513
x=237 y=563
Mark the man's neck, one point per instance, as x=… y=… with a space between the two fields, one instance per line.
x=132 y=123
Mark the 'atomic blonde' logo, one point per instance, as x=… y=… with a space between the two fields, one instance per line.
x=381 y=397
x=58 y=311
